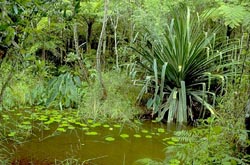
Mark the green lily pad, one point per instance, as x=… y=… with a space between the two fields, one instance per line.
x=83 y=125
x=71 y=127
x=91 y=133
x=148 y=136
x=61 y=129
x=85 y=128
x=106 y=126
x=26 y=122
x=110 y=139
x=144 y=131
x=117 y=125
x=95 y=125
x=64 y=125
x=124 y=135
x=165 y=139
x=161 y=130
x=137 y=135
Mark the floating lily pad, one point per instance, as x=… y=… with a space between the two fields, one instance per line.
x=165 y=139
x=95 y=125
x=61 y=129
x=110 y=139
x=148 y=136
x=137 y=135
x=161 y=130
x=85 y=128
x=78 y=123
x=64 y=125
x=26 y=122
x=144 y=131
x=117 y=125
x=91 y=133
x=124 y=135
x=106 y=126
x=71 y=127
x=83 y=125
x=48 y=122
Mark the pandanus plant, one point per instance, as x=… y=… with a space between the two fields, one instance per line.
x=180 y=64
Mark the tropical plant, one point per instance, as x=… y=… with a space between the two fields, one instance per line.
x=180 y=64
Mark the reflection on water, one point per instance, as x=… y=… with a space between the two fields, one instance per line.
x=94 y=149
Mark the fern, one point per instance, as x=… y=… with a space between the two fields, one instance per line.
x=233 y=14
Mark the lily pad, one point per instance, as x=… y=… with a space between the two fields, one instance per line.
x=71 y=127
x=117 y=125
x=165 y=139
x=124 y=135
x=148 y=136
x=26 y=122
x=161 y=130
x=61 y=129
x=85 y=128
x=110 y=139
x=106 y=126
x=95 y=125
x=144 y=131
x=83 y=125
x=91 y=133
x=137 y=135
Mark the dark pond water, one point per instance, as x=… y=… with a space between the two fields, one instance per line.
x=54 y=137
x=101 y=144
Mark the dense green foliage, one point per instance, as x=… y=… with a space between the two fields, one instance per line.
x=182 y=60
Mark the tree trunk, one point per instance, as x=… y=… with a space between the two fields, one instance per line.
x=89 y=34
x=115 y=24
x=99 y=52
x=79 y=59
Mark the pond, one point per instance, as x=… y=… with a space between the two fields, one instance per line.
x=70 y=140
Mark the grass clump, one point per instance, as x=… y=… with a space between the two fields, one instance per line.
x=119 y=104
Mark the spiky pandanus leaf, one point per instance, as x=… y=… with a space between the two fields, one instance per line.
x=180 y=59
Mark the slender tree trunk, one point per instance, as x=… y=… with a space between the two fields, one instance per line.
x=115 y=24
x=89 y=34
x=99 y=49
x=79 y=59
